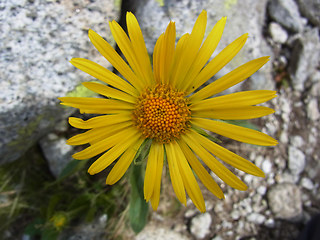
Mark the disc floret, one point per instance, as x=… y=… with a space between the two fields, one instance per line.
x=162 y=113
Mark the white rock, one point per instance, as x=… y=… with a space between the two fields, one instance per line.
x=156 y=232
x=285 y=201
x=313 y=109
x=307 y=183
x=200 y=225
x=235 y=214
x=256 y=218
x=278 y=33
x=57 y=153
x=266 y=166
x=297 y=160
x=217 y=238
x=262 y=190
x=284 y=137
x=297 y=141
x=269 y=223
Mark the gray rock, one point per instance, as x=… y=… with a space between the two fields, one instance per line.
x=278 y=34
x=307 y=183
x=313 y=110
x=285 y=201
x=57 y=152
x=304 y=58
x=256 y=218
x=154 y=17
x=286 y=13
x=156 y=232
x=200 y=225
x=92 y=230
x=37 y=39
x=297 y=160
x=311 y=10
x=266 y=166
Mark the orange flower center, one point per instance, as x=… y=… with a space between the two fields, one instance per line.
x=162 y=113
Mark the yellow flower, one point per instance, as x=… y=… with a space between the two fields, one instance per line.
x=161 y=104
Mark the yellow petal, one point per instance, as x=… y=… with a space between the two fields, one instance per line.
x=232 y=78
x=205 y=52
x=155 y=198
x=235 y=100
x=228 y=156
x=123 y=163
x=126 y=48
x=167 y=53
x=139 y=47
x=151 y=172
x=103 y=74
x=114 y=58
x=238 y=133
x=178 y=54
x=238 y=113
x=97 y=134
x=107 y=158
x=175 y=174
x=218 y=168
x=218 y=62
x=99 y=121
x=109 y=92
x=201 y=172
x=190 y=50
x=188 y=179
x=105 y=144
x=96 y=105
x=156 y=58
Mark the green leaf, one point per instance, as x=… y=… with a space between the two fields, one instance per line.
x=205 y=134
x=138 y=208
x=49 y=234
x=35 y=227
x=243 y=123
x=143 y=152
x=72 y=167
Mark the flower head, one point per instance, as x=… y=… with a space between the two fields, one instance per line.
x=165 y=104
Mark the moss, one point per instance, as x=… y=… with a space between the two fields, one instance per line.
x=117 y=4
x=230 y=3
x=81 y=91
x=25 y=133
x=160 y=2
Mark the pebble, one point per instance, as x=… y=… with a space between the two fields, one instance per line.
x=313 y=110
x=285 y=201
x=57 y=152
x=266 y=166
x=156 y=232
x=256 y=218
x=262 y=190
x=286 y=13
x=307 y=183
x=297 y=160
x=278 y=34
x=297 y=141
x=200 y=225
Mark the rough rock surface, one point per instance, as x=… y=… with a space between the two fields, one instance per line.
x=292 y=167
x=153 y=18
x=285 y=201
x=157 y=232
x=311 y=10
x=200 y=225
x=57 y=152
x=37 y=40
x=286 y=13
x=304 y=58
